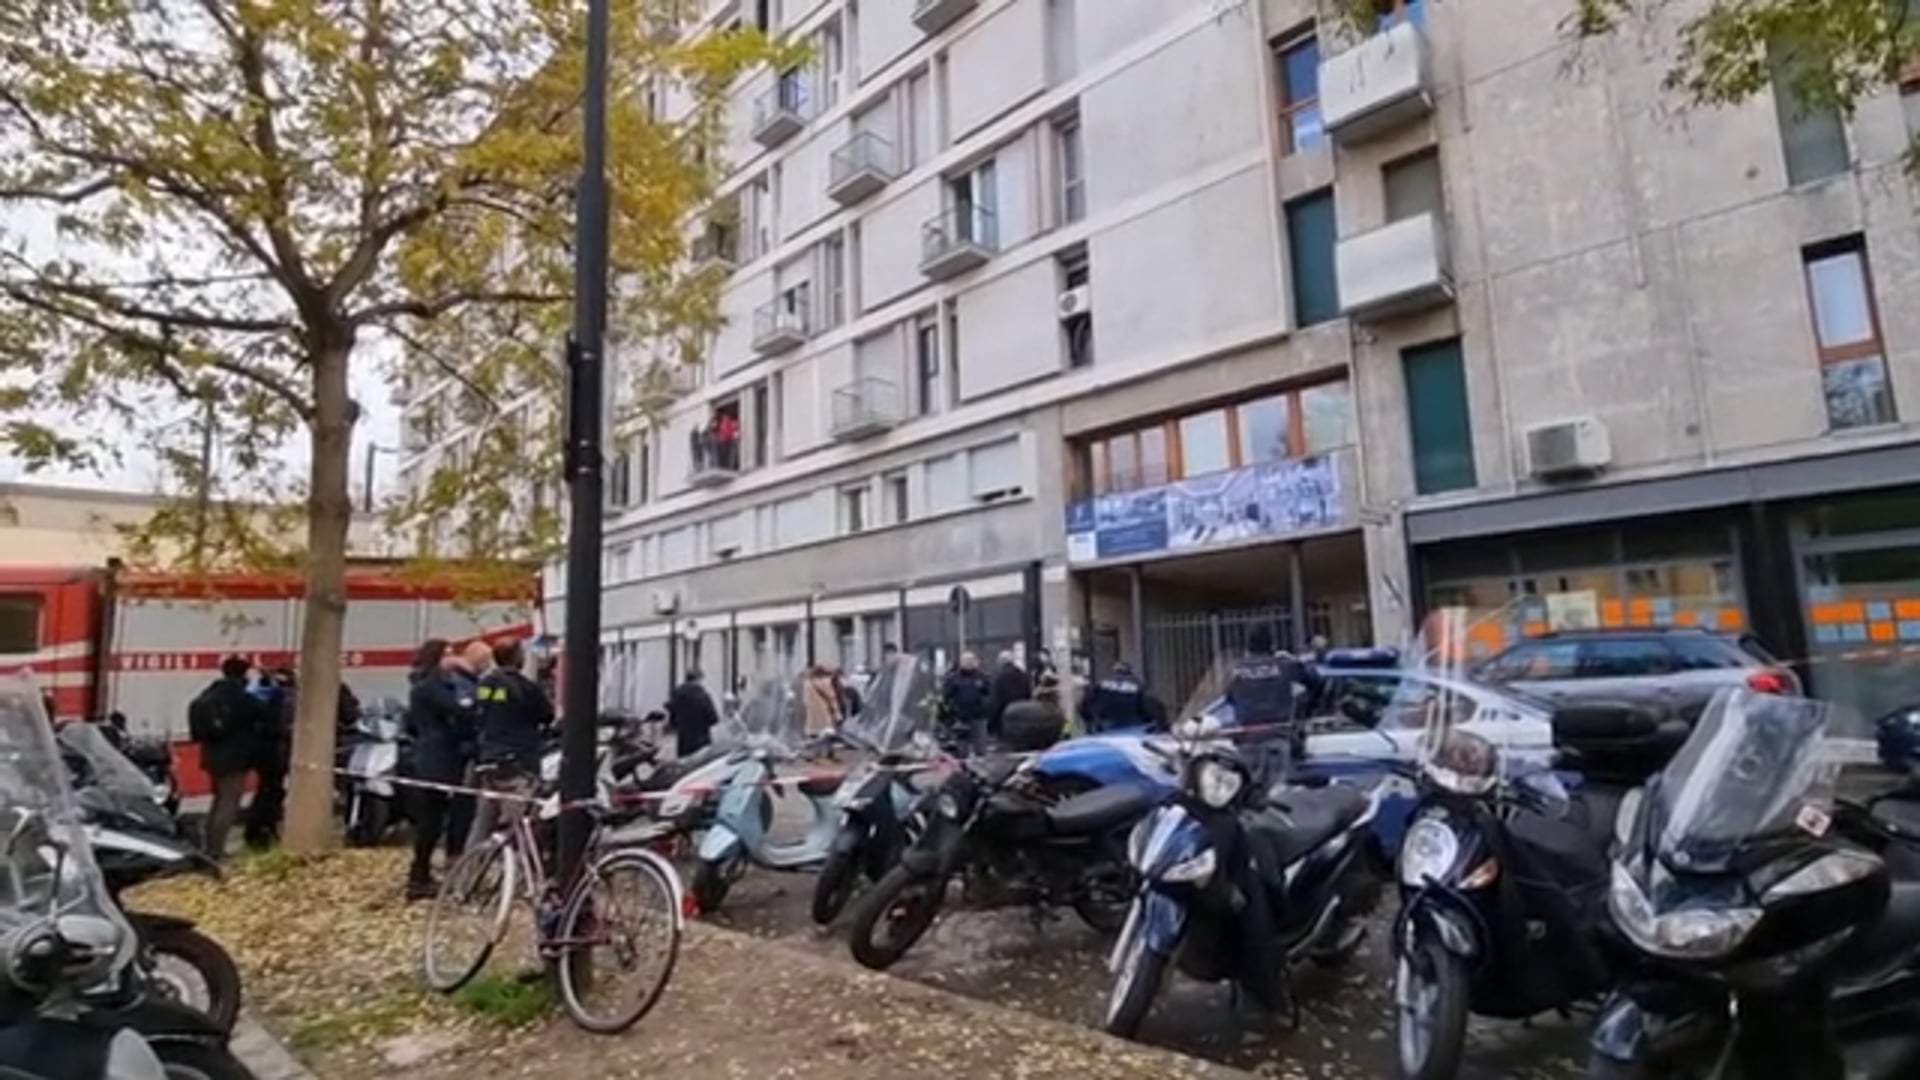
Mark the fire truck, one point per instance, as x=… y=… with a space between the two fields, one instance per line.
x=98 y=640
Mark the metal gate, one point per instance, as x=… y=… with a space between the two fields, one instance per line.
x=1180 y=650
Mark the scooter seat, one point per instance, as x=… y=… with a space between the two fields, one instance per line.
x=1298 y=821
x=818 y=785
x=1099 y=810
x=672 y=772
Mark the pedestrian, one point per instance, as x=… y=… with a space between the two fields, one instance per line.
x=476 y=660
x=515 y=716
x=822 y=701
x=223 y=720
x=966 y=703
x=850 y=702
x=1266 y=688
x=690 y=710
x=1116 y=701
x=1010 y=684
x=272 y=758
x=440 y=721
x=726 y=437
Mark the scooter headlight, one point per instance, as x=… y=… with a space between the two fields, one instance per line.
x=1699 y=934
x=1428 y=852
x=1218 y=783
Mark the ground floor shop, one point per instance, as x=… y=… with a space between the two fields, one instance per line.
x=1818 y=558
x=986 y=613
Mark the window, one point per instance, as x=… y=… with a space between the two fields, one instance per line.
x=1298 y=59
x=1413 y=185
x=1536 y=660
x=926 y=364
x=833 y=281
x=994 y=470
x=1846 y=326
x=1204 y=447
x=620 y=564
x=620 y=479
x=832 y=58
x=1623 y=658
x=1324 y=413
x=1311 y=235
x=1063 y=54
x=1705 y=653
x=19 y=624
x=953 y=352
x=917 y=146
x=975 y=200
x=853 y=509
x=761 y=417
x=946 y=483
x=1814 y=137
x=1072 y=171
x=1388 y=12
x=1266 y=429
x=759 y=215
x=898 y=509
x=643 y=468
x=1440 y=423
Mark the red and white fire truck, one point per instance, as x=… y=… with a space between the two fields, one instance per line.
x=108 y=639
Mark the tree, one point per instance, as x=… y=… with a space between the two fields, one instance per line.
x=244 y=204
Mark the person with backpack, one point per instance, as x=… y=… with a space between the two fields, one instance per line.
x=224 y=720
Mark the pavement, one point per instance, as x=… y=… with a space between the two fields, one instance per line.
x=263 y=1055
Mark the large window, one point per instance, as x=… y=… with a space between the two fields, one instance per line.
x=1273 y=427
x=1071 y=163
x=1312 y=233
x=1438 y=418
x=1846 y=327
x=926 y=364
x=1813 y=136
x=1298 y=61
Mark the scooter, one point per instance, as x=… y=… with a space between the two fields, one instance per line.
x=739 y=838
x=1239 y=883
x=372 y=757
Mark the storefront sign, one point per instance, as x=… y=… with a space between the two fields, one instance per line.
x=1271 y=500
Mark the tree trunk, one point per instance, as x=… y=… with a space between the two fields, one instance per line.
x=329 y=514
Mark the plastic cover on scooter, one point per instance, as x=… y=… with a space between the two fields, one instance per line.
x=771 y=715
x=896 y=715
x=47 y=871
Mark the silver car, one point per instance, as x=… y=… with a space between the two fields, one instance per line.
x=1677 y=670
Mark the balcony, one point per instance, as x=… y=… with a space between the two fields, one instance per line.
x=664 y=383
x=1377 y=86
x=780 y=327
x=959 y=239
x=860 y=168
x=1395 y=270
x=714 y=249
x=780 y=113
x=933 y=16
x=864 y=408
x=714 y=461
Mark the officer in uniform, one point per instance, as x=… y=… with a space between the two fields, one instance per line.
x=515 y=715
x=1264 y=690
x=1118 y=700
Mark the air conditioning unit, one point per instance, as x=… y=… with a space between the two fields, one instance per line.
x=1076 y=301
x=726 y=551
x=665 y=602
x=1568 y=448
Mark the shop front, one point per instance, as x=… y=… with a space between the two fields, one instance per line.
x=1817 y=558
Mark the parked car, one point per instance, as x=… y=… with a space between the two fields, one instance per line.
x=1676 y=670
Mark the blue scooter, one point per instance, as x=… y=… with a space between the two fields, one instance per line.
x=770 y=722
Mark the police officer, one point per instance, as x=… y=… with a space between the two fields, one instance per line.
x=515 y=715
x=1118 y=700
x=1264 y=689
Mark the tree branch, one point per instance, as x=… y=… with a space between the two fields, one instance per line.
x=58 y=196
x=429 y=310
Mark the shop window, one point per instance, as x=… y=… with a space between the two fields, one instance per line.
x=1864 y=514
x=1846 y=324
x=1440 y=422
x=1297 y=60
x=1312 y=233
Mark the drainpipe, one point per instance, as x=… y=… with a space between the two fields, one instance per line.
x=1297 y=585
x=1137 y=588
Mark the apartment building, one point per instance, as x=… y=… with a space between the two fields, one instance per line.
x=1119 y=327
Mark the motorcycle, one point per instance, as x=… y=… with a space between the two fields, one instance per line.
x=878 y=799
x=372 y=755
x=72 y=1003
x=767 y=732
x=993 y=827
x=1239 y=881
x=133 y=842
x=1772 y=931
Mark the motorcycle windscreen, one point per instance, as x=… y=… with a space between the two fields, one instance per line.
x=46 y=864
x=896 y=712
x=771 y=713
x=103 y=766
x=1755 y=768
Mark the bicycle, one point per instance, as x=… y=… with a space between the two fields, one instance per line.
x=569 y=921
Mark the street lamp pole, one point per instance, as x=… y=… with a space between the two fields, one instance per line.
x=586 y=402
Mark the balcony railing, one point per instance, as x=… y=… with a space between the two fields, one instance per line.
x=781 y=326
x=1377 y=86
x=664 y=382
x=959 y=238
x=781 y=112
x=1397 y=269
x=933 y=16
x=864 y=408
x=714 y=460
x=863 y=166
x=716 y=247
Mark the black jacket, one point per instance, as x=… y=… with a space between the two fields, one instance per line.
x=690 y=710
x=441 y=722
x=1010 y=684
x=1118 y=700
x=514 y=718
x=1263 y=688
x=966 y=696
x=226 y=721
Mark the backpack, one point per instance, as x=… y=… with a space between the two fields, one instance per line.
x=209 y=716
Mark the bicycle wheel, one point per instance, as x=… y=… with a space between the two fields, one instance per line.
x=619 y=938
x=469 y=915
